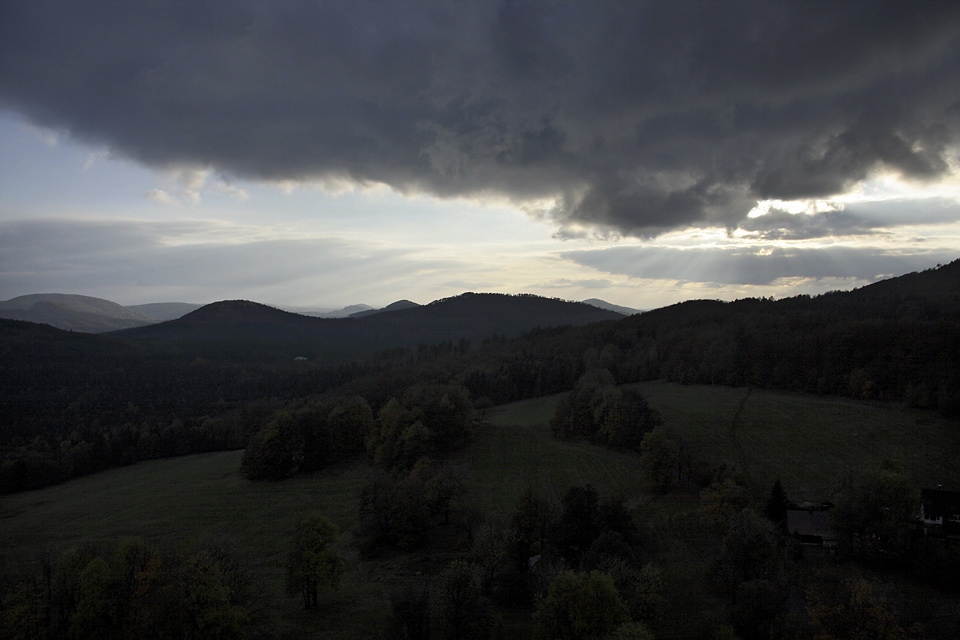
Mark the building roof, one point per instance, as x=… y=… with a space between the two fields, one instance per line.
x=806 y=522
x=939 y=503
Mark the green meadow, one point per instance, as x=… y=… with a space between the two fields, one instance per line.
x=805 y=441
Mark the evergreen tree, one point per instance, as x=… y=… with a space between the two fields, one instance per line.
x=776 y=508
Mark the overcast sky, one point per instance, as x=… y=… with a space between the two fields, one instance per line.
x=328 y=153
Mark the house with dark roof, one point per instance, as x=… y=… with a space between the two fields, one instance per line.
x=940 y=509
x=811 y=525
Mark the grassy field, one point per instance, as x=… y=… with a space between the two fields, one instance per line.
x=515 y=450
x=183 y=501
x=806 y=441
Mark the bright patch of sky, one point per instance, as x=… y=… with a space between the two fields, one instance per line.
x=420 y=248
x=86 y=220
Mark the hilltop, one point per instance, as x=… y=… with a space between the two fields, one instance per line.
x=97 y=315
x=73 y=312
x=470 y=316
x=163 y=311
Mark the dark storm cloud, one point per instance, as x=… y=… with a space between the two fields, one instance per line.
x=633 y=116
x=731 y=266
x=780 y=225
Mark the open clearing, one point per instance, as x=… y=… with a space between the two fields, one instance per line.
x=806 y=441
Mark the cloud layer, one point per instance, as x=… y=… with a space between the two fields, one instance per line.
x=631 y=117
x=201 y=261
x=756 y=267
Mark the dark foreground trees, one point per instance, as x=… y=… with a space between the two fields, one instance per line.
x=580 y=606
x=874 y=516
x=853 y=610
x=461 y=611
x=132 y=591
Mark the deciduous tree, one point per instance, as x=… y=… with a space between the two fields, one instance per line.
x=874 y=514
x=853 y=611
x=579 y=522
x=580 y=606
x=461 y=612
x=660 y=459
x=313 y=565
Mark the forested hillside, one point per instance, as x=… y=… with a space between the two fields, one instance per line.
x=897 y=340
x=73 y=312
x=75 y=404
x=257 y=329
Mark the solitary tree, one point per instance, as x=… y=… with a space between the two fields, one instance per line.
x=660 y=459
x=750 y=551
x=313 y=565
x=579 y=522
x=532 y=518
x=776 y=508
x=410 y=614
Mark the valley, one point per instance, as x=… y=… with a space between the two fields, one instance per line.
x=507 y=444
x=805 y=441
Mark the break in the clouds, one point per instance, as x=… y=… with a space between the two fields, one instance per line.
x=756 y=267
x=195 y=260
x=625 y=117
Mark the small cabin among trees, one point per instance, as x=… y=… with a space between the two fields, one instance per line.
x=940 y=508
x=810 y=524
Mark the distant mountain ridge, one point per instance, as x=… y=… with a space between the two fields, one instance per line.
x=96 y=315
x=394 y=306
x=341 y=313
x=609 y=306
x=470 y=316
x=73 y=312
x=163 y=311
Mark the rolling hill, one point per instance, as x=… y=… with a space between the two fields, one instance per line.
x=609 y=306
x=394 y=306
x=163 y=311
x=470 y=316
x=73 y=312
